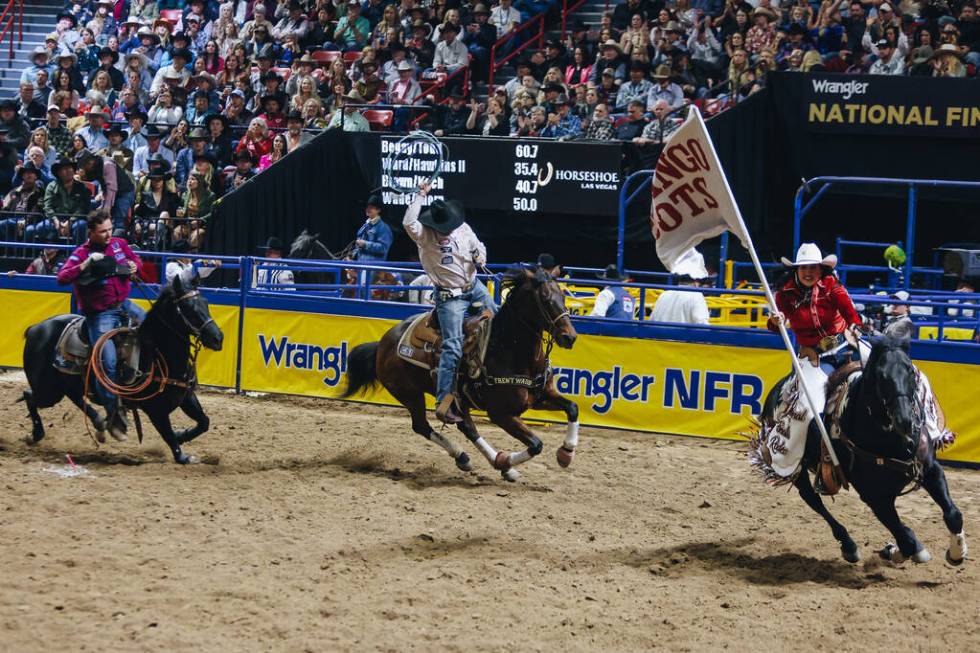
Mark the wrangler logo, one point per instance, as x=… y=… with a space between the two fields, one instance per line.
x=303 y=356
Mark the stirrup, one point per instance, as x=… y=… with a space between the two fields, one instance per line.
x=445 y=410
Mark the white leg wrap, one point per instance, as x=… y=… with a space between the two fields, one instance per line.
x=519 y=457
x=488 y=452
x=446 y=444
x=571 y=436
x=957 y=546
x=922 y=556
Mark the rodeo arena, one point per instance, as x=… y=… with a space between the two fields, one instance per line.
x=489 y=325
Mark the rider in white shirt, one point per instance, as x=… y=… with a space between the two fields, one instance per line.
x=450 y=253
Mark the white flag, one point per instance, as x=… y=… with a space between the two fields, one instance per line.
x=691 y=197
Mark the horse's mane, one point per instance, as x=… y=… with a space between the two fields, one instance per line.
x=518 y=276
x=166 y=297
x=883 y=344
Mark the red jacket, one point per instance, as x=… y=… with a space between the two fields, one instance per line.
x=829 y=311
x=111 y=290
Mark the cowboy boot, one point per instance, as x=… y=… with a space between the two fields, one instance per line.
x=446 y=412
x=118 y=426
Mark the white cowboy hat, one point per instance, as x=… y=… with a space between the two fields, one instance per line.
x=809 y=254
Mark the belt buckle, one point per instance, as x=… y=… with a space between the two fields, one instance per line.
x=827 y=343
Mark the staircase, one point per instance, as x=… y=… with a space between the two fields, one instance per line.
x=590 y=13
x=39 y=21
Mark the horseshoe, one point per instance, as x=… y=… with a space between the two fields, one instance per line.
x=547 y=177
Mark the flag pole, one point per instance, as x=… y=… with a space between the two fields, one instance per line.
x=747 y=241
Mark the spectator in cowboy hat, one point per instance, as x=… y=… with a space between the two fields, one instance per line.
x=610 y=56
x=613 y=301
x=898 y=323
x=548 y=263
x=762 y=35
x=348 y=116
x=178 y=69
x=664 y=89
x=18 y=132
x=93 y=131
x=922 y=61
x=107 y=62
x=65 y=200
x=197 y=139
x=374 y=237
x=39 y=61
x=295 y=136
x=244 y=170
x=562 y=123
x=134 y=134
x=149 y=47
x=946 y=61
x=116 y=150
x=270 y=275
x=141 y=157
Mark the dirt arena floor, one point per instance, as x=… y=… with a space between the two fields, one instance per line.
x=323 y=526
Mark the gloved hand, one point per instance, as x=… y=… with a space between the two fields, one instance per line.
x=94 y=257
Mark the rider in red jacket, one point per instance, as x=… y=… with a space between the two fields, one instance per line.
x=816 y=307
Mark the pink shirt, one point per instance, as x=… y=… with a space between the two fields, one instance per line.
x=112 y=290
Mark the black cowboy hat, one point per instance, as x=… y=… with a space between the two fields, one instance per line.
x=269 y=76
x=547 y=261
x=444 y=217
x=136 y=112
x=206 y=156
x=611 y=273
x=243 y=155
x=158 y=165
x=180 y=36
x=151 y=131
x=8 y=103
x=115 y=129
x=70 y=16
x=375 y=200
x=61 y=163
x=294 y=115
x=27 y=167
x=183 y=53
x=180 y=246
x=272 y=243
x=216 y=116
x=268 y=97
x=109 y=52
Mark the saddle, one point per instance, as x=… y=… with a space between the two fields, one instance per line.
x=422 y=341
x=74 y=350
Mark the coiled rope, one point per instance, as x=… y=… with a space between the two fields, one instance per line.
x=412 y=144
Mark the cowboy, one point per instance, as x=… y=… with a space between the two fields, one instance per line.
x=374 y=238
x=92 y=132
x=122 y=155
x=563 y=122
x=684 y=306
x=295 y=136
x=450 y=253
x=18 y=133
x=153 y=146
x=613 y=301
x=199 y=268
x=39 y=62
x=101 y=269
x=134 y=135
x=22 y=205
x=664 y=89
x=349 y=117
x=243 y=171
x=271 y=273
x=197 y=140
x=118 y=188
x=65 y=199
x=150 y=48
x=179 y=67
x=898 y=323
x=47 y=262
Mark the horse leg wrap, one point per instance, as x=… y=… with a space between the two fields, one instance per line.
x=571 y=436
x=488 y=452
x=445 y=443
x=519 y=457
x=957 y=548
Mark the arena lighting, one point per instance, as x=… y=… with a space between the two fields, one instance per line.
x=961 y=262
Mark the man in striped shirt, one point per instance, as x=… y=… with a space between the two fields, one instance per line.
x=273 y=274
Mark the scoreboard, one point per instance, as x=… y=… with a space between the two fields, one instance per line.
x=503 y=174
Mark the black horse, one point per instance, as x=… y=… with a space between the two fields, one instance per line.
x=179 y=314
x=883 y=448
x=308 y=246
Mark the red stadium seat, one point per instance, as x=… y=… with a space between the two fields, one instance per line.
x=326 y=57
x=351 y=57
x=172 y=15
x=379 y=119
x=284 y=73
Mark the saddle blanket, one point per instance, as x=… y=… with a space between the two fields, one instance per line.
x=777 y=451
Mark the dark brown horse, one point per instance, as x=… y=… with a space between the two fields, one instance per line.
x=516 y=376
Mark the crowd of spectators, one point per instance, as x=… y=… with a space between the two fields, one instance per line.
x=152 y=109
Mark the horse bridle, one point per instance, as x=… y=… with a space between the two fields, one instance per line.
x=552 y=321
x=195 y=330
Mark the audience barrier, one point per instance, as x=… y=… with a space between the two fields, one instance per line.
x=665 y=378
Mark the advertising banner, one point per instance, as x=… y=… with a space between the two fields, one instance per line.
x=21 y=309
x=887 y=105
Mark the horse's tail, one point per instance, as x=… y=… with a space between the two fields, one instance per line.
x=362 y=370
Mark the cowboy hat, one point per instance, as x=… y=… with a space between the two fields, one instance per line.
x=948 y=48
x=306 y=59
x=183 y=53
x=109 y=52
x=206 y=156
x=39 y=51
x=271 y=243
x=64 y=54
x=611 y=273
x=809 y=254
x=27 y=167
x=198 y=133
x=764 y=11
x=374 y=200
x=662 y=72
x=443 y=217
x=163 y=22
x=61 y=163
x=115 y=129
x=216 y=116
x=922 y=54
x=148 y=33
x=139 y=56
x=547 y=261
x=67 y=15
x=97 y=110
x=611 y=44
x=151 y=131
x=404 y=65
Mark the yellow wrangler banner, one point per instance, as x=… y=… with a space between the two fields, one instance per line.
x=216 y=367
x=645 y=385
x=21 y=309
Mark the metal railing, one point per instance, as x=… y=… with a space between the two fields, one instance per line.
x=12 y=13
x=507 y=38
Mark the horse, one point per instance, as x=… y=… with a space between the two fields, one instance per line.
x=516 y=374
x=308 y=246
x=883 y=447
x=178 y=315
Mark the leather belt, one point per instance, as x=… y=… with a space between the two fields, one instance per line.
x=829 y=342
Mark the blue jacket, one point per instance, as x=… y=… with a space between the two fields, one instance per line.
x=378 y=239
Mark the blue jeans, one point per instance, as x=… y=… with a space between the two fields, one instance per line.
x=101 y=323
x=452 y=312
x=120 y=209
